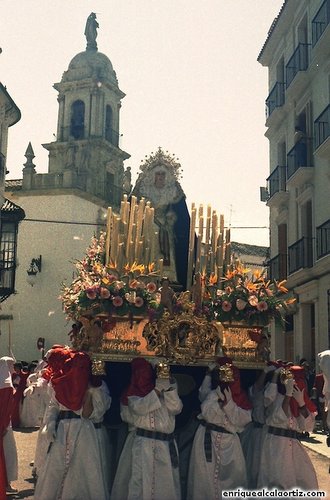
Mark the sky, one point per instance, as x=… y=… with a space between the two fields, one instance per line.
x=192 y=82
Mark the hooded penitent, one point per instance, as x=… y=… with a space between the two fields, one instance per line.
x=238 y=394
x=298 y=373
x=70 y=373
x=142 y=380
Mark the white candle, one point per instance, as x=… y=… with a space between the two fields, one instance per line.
x=107 y=241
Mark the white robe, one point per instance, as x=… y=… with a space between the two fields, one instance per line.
x=124 y=469
x=42 y=440
x=35 y=402
x=10 y=451
x=207 y=480
x=324 y=362
x=101 y=403
x=153 y=476
x=73 y=468
x=252 y=437
x=284 y=462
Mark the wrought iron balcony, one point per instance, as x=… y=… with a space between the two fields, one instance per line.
x=298 y=157
x=320 y=22
x=276 y=98
x=297 y=62
x=322 y=127
x=278 y=267
x=11 y=215
x=323 y=240
x=301 y=254
x=277 y=181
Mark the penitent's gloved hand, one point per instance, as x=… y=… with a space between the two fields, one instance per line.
x=289 y=383
x=50 y=430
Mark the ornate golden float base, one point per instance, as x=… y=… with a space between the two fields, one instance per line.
x=245 y=345
x=182 y=339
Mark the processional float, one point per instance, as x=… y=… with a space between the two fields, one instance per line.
x=125 y=306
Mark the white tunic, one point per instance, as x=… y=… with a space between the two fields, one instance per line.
x=73 y=468
x=35 y=402
x=42 y=440
x=207 y=480
x=153 y=476
x=284 y=461
x=124 y=469
x=10 y=451
x=253 y=435
x=101 y=404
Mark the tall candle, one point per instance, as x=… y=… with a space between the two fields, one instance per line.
x=130 y=223
x=161 y=268
x=139 y=222
x=107 y=241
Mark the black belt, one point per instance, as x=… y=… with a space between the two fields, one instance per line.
x=207 y=437
x=257 y=424
x=98 y=425
x=162 y=436
x=65 y=414
x=277 y=431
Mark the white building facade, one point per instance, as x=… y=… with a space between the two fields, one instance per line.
x=297 y=55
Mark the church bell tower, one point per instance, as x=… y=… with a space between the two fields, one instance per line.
x=86 y=154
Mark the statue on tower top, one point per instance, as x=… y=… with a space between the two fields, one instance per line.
x=91 y=31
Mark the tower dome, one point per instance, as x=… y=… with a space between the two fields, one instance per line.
x=90 y=64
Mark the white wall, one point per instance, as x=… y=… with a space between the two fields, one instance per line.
x=36 y=310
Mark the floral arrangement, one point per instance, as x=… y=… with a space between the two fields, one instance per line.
x=98 y=287
x=245 y=296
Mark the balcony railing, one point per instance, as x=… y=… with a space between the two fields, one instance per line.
x=277 y=180
x=298 y=157
x=276 y=98
x=278 y=267
x=323 y=240
x=301 y=254
x=322 y=127
x=297 y=62
x=320 y=22
x=8 y=243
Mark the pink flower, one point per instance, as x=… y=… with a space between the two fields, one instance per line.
x=241 y=304
x=104 y=293
x=139 y=302
x=253 y=300
x=151 y=287
x=262 y=306
x=91 y=293
x=226 y=306
x=117 y=301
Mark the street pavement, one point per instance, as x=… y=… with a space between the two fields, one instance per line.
x=26 y=440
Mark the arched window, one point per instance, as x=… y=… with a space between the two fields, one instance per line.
x=110 y=134
x=77 y=126
x=108 y=123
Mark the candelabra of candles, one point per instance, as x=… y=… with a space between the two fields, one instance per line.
x=130 y=236
x=209 y=244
